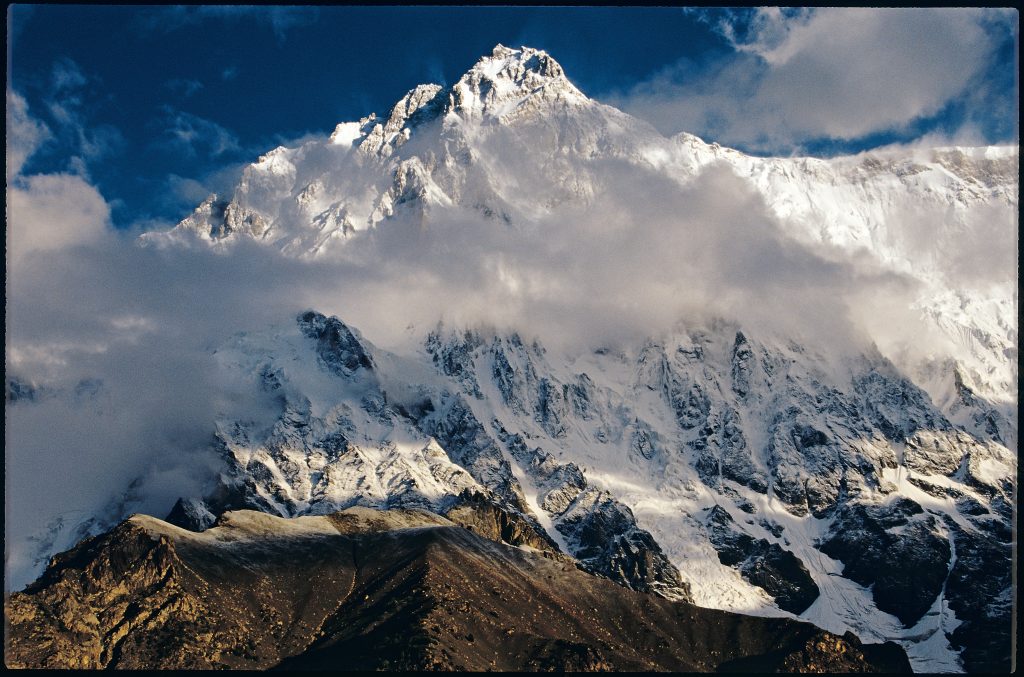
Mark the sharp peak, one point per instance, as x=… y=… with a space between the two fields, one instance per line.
x=536 y=60
x=509 y=75
x=500 y=51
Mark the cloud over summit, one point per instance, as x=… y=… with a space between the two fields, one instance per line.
x=838 y=73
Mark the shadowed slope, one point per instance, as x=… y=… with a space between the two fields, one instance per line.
x=365 y=589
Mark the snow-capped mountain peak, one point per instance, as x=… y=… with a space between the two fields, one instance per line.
x=765 y=459
x=510 y=82
x=514 y=141
x=501 y=87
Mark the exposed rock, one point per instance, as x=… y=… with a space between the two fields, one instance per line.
x=457 y=429
x=453 y=356
x=741 y=365
x=191 y=514
x=980 y=591
x=604 y=536
x=364 y=589
x=778 y=572
x=483 y=516
x=338 y=348
x=895 y=549
x=19 y=391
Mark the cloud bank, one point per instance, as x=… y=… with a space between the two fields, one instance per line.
x=837 y=73
x=118 y=340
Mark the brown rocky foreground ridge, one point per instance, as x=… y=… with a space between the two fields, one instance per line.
x=365 y=589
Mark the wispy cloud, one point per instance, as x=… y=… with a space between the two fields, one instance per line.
x=25 y=134
x=67 y=76
x=280 y=19
x=186 y=190
x=185 y=87
x=839 y=73
x=193 y=135
x=87 y=142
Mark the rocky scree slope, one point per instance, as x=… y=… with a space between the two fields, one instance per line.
x=365 y=589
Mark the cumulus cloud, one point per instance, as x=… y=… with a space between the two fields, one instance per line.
x=116 y=367
x=118 y=342
x=41 y=220
x=643 y=255
x=838 y=73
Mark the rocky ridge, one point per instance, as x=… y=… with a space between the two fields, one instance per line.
x=365 y=589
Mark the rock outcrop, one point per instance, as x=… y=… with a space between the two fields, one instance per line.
x=367 y=590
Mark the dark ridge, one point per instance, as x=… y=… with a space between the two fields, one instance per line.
x=379 y=590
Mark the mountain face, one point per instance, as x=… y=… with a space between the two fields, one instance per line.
x=710 y=468
x=364 y=589
x=514 y=140
x=716 y=464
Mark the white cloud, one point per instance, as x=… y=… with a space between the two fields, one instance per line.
x=53 y=212
x=644 y=254
x=24 y=134
x=840 y=73
x=137 y=327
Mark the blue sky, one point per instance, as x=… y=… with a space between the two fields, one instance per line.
x=157 y=106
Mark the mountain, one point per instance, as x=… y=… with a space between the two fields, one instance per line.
x=865 y=487
x=514 y=140
x=364 y=589
x=711 y=467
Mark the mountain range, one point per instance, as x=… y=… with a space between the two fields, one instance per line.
x=748 y=457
